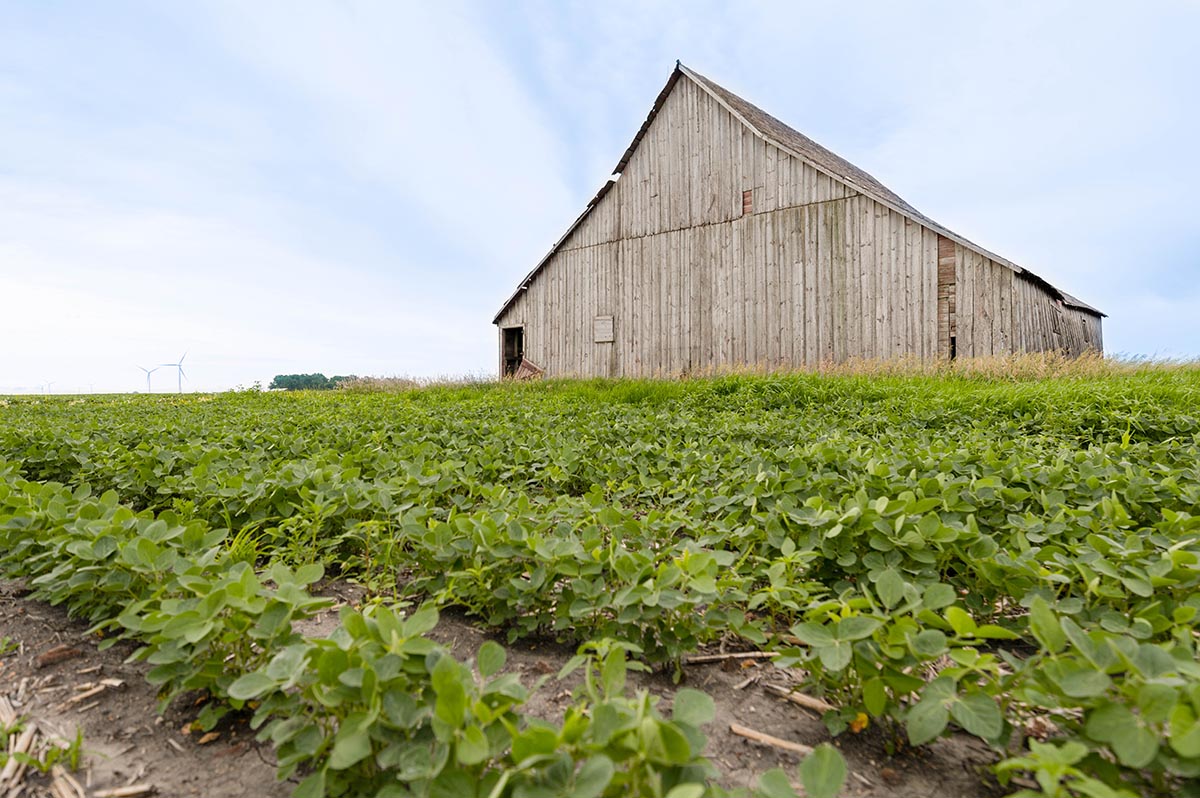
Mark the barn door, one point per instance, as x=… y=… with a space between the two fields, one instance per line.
x=513 y=349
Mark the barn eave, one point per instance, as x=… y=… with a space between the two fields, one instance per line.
x=557 y=244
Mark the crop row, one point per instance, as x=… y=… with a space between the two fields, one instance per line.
x=929 y=551
x=374 y=709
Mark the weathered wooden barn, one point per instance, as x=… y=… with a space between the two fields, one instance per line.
x=726 y=238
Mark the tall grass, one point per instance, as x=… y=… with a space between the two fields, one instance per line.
x=1001 y=368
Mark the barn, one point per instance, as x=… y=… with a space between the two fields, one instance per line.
x=726 y=239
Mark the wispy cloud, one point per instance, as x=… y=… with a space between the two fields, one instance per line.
x=357 y=186
x=360 y=201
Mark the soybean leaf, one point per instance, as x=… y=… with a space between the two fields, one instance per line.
x=251 y=685
x=693 y=707
x=490 y=659
x=1108 y=722
x=687 y=791
x=1045 y=626
x=593 y=777
x=823 y=772
x=1136 y=747
x=472 y=747
x=938 y=595
x=962 y=623
x=926 y=720
x=775 y=784
x=890 y=587
x=856 y=627
x=1185 y=731
x=351 y=745
x=875 y=696
x=978 y=714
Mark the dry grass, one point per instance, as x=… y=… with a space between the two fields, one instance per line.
x=1004 y=368
x=399 y=384
x=1001 y=368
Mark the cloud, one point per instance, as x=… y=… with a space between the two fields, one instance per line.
x=358 y=186
x=103 y=290
x=415 y=96
x=349 y=197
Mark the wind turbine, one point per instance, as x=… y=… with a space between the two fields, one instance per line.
x=148 y=373
x=178 y=366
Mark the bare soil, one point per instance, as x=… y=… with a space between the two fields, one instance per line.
x=127 y=742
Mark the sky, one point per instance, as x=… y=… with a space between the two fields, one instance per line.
x=356 y=187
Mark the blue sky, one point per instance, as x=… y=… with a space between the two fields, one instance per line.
x=355 y=187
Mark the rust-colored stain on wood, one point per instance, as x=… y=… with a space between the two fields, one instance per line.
x=747 y=202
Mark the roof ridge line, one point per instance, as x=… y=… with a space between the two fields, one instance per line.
x=902 y=207
x=898 y=205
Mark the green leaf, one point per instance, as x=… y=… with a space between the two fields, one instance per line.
x=594 y=777
x=836 y=655
x=823 y=772
x=961 y=622
x=572 y=665
x=490 y=659
x=929 y=643
x=307 y=574
x=1045 y=626
x=890 y=587
x=421 y=621
x=856 y=627
x=351 y=745
x=978 y=714
x=451 y=704
x=1108 y=722
x=1136 y=747
x=693 y=707
x=676 y=750
x=311 y=787
x=938 y=595
x=252 y=685
x=813 y=634
x=1138 y=586
x=775 y=784
x=875 y=696
x=453 y=783
x=472 y=747
x=533 y=741
x=1185 y=732
x=1156 y=701
x=612 y=673
x=687 y=791
x=926 y=720
x=992 y=632
x=1079 y=681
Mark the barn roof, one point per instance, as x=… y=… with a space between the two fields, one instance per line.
x=800 y=146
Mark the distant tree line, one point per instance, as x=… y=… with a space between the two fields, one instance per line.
x=306 y=382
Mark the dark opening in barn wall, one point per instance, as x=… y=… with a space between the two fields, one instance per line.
x=514 y=349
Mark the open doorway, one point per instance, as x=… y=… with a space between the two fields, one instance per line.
x=513 y=349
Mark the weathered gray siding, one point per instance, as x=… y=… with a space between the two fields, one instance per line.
x=810 y=272
x=1001 y=312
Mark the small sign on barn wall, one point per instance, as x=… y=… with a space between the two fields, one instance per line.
x=602 y=330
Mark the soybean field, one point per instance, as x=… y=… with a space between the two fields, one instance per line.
x=1012 y=561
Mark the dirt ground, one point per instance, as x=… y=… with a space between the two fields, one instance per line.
x=127 y=744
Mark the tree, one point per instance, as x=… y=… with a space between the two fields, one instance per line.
x=305 y=382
